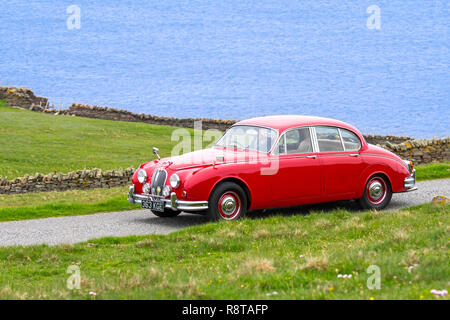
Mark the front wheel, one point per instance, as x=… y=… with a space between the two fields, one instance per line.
x=377 y=193
x=227 y=202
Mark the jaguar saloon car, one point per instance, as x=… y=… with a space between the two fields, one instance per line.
x=271 y=162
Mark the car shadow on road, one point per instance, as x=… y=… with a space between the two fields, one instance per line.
x=180 y=221
x=186 y=219
x=349 y=205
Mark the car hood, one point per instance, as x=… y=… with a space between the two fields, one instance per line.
x=208 y=157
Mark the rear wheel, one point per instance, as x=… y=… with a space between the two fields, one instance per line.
x=227 y=202
x=377 y=193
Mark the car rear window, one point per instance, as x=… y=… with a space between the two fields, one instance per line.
x=329 y=139
x=351 y=141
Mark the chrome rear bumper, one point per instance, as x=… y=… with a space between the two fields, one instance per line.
x=172 y=203
x=410 y=182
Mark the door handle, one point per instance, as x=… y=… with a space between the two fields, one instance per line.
x=354 y=154
x=311 y=157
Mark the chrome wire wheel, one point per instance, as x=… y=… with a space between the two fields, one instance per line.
x=376 y=190
x=229 y=205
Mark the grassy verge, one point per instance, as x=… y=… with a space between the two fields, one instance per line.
x=433 y=171
x=66 y=203
x=33 y=142
x=278 y=257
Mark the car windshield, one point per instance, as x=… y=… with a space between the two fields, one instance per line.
x=249 y=137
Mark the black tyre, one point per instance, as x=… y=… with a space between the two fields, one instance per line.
x=168 y=213
x=228 y=201
x=377 y=193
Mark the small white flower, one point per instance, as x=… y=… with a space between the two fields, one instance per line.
x=92 y=293
x=339 y=276
x=439 y=292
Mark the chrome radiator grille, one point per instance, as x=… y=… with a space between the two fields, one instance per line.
x=158 y=181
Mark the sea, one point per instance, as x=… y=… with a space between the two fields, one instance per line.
x=382 y=66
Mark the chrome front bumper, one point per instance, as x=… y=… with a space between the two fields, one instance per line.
x=172 y=203
x=410 y=182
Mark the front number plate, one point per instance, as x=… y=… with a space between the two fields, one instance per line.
x=153 y=205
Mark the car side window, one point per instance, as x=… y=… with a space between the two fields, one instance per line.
x=295 y=141
x=351 y=141
x=329 y=139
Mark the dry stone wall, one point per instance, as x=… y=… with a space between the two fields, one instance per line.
x=106 y=113
x=81 y=179
x=23 y=98
x=422 y=151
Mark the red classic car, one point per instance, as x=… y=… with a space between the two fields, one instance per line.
x=270 y=162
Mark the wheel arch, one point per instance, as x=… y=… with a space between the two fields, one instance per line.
x=239 y=182
x=383 y=174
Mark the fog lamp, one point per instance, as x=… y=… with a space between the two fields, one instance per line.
x=146 y=188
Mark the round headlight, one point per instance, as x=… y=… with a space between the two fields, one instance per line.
x=142 y=176
x=174 y=181
x=146 y=188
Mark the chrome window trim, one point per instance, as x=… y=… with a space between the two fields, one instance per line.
x=342 y=141
x=314 y=138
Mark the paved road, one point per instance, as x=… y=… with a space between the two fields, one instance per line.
x=82 y=228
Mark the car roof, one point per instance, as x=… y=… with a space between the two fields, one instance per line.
x=283 y=122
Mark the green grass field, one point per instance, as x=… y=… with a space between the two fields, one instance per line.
x=277 y=257
x=33 y=142
x=433 y=171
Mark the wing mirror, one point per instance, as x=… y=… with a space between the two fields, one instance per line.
x=156 y=151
